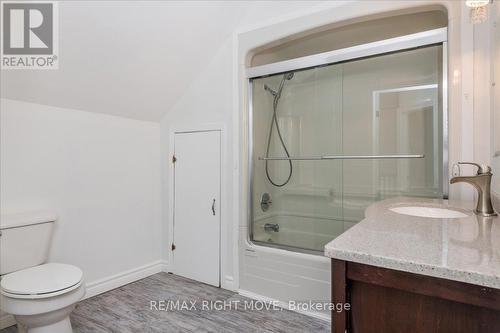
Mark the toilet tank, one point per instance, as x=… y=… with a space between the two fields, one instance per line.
x=25 y=239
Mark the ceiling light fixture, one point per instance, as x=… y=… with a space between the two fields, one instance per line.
x=476 y=3
x=479 y=11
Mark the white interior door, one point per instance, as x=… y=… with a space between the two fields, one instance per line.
x=197 y=176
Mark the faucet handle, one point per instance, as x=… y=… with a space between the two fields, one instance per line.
x=481 y=168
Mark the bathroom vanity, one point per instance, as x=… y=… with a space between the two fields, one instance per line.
x=405 y=273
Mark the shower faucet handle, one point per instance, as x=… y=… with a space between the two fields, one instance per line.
x=265 y=202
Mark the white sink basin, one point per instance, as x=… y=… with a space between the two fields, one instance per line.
x=430 y=212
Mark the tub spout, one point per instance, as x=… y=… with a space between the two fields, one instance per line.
x=272 y=227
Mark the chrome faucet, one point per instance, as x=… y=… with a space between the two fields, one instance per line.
x=482 y=182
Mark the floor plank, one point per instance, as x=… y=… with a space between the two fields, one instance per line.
x=128 y=310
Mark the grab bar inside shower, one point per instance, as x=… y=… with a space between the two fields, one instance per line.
x=341 y=157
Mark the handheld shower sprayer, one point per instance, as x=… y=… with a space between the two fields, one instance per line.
x=274 y=122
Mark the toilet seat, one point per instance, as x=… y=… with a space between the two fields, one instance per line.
x=42 y=281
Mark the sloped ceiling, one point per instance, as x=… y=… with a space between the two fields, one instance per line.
x=135 y=58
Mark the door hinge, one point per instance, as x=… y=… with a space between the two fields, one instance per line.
x=174 y=159
x=173 y=246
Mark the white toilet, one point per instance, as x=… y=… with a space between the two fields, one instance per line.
x=40 y=295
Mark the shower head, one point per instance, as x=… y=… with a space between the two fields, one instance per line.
x=286 y=77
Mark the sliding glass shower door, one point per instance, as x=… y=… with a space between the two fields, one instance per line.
x=329 y=141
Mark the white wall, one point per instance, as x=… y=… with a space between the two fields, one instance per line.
x=99 y=173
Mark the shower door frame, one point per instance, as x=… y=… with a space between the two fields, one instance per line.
x=379 y=48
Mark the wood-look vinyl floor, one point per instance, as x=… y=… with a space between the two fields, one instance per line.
x=128 y=310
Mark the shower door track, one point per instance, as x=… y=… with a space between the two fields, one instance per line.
x=392 y=45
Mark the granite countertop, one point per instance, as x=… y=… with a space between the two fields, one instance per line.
x=462 y=249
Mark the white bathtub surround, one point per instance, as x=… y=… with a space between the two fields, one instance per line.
x=283 y=275
x=463 y=249
x=287 y=305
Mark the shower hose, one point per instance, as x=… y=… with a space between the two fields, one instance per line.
x=274 y=122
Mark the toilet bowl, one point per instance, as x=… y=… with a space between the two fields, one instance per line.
x=41 y=298
x=39 y=295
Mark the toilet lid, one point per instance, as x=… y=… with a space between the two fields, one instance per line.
x=43 y=279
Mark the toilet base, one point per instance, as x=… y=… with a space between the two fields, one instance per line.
x=52 y=322
x=63 y=326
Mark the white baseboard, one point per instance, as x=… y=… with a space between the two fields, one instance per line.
x=284 y=305
x=165 y=266
x=6 y=320
x=228 y=283
x=111 y=282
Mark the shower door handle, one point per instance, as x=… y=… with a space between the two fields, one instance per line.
x=213 y=208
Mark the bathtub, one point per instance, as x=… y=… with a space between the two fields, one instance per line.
x=298 y=230
x=289 y=265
